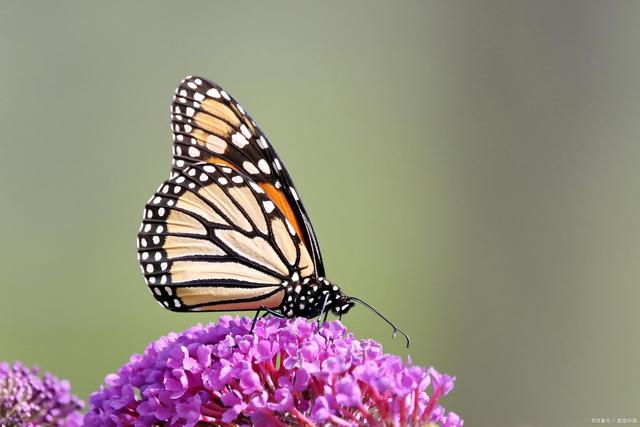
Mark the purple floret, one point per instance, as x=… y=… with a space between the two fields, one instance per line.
x=29 y=399
x=286 y=374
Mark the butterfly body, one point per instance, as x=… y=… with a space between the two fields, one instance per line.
x=312 y=296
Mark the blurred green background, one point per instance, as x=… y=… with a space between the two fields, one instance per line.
x=472 y=169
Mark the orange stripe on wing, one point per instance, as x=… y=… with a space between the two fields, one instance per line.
x=282 y=203
x=214 y=160
x=277 y=196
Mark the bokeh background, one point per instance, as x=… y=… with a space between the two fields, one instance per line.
x=472 y=169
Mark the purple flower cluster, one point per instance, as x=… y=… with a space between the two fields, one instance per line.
x=28 y=399
x=286 y=373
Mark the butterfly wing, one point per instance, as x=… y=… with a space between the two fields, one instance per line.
x=209 y=126
x=213 y=240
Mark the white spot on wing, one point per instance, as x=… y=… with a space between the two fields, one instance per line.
x=245 y=131
x=239 y=140
x=264 y=166
x=269 y=206
x=250 y=167
x=256 y=187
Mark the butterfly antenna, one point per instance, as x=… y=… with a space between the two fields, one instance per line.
x=395 y=328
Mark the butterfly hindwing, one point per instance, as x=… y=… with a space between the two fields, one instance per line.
x=212 y=239
x=208 y=125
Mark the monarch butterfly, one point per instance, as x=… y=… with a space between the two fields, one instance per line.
x=228 y=230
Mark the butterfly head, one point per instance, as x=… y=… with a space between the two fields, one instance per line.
x=314 y=296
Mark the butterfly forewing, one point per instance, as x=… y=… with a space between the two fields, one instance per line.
x=212 y=239
x=208 y=125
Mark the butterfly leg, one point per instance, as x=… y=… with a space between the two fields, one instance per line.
x=326 y=313
x=266 y=311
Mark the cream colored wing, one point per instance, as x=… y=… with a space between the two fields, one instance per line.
x=213 y=240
